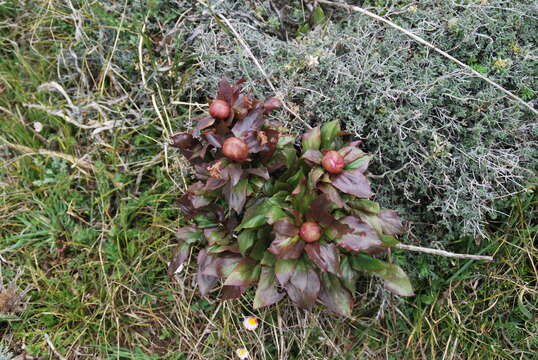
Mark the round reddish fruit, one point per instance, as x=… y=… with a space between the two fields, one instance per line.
x=333 y=162
x=235 y=149
x=310 y=231
x=219 y=109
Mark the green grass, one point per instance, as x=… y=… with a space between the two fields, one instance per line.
x=94 y=245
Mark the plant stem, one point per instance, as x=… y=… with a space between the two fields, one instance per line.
x=443 y=252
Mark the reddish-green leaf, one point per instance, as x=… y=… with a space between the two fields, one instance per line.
x=395 y=278
x=390 y=222
x=245 y=273
x=313 y=177
x=237 y=196
x=312 y=139
x=368 y=206
x=179 y=258
x=285 y=227
x=303 y=287
x=284 y=269
x=313 y=156
x=325 y=256
x=267 y=293
x=363 y=238
x=284 y=247
x=205 y=282
x=220 y=265
x=351 y=152
x=334 y=295
x=189 y=234
x=354 y=183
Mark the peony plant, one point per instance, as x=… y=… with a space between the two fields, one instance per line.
x=293 y=219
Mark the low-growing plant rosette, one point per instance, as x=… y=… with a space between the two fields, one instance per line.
x=295 y=221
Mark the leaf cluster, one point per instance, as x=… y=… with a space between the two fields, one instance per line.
x=285 y=218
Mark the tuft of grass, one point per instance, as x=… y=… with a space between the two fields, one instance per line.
x=93 y=246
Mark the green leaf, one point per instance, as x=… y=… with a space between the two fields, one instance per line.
x=253 y=222
x=360 y=163
x=312 y=139
x=268 y=259
x=245 y=240
x=267 y=293
x=349 y=276
x=318 y=17
x=329 y=131
x=395 y=278
x=274 y=213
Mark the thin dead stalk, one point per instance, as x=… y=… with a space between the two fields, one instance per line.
x=443 y=253
x=431 y=46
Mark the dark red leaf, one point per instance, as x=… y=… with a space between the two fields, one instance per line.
x=285 y=247
x=325 y=256
x=252 y=122
x=313 y=156
x=227 y=92
x=332 y=194
x=267 y=293
x=232 y=173
x=390 y=222
x=354 y=183
x=236 y=196
x=285 y=227
x=271 y=104
x=303 y=287
x=214 y=139
x=335 y=296
x=260 y=172
x=319 y=211
x=202 y=123
x=214 y=184
x=232 y=292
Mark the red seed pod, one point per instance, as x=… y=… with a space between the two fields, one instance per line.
x=333 y=162
x=310 y=231
x=235 y=149
x=219 y=109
